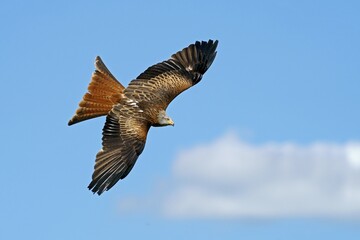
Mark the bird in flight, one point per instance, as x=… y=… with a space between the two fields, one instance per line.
x=131 y=111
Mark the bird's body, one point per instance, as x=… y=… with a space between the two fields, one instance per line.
x=131 y=111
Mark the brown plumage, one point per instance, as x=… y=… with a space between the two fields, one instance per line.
x=104 y=92
x=131 y=111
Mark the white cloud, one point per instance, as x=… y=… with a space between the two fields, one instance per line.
x=232 y=178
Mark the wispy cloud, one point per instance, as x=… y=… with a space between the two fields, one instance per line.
x=232 y=178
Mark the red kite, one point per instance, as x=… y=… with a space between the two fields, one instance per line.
x=131 y=111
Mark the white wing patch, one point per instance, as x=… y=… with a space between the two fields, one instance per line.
x=134 y=103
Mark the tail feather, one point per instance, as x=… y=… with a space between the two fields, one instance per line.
x=103 y=92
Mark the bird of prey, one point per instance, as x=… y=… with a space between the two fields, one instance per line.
x=131 y=111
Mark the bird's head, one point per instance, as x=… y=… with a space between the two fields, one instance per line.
x=164 y=120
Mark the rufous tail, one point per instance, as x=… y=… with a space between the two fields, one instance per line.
x=103 y=92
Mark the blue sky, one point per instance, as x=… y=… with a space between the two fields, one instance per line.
x=267 y=146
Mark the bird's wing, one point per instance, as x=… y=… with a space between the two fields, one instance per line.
x=124 y=137
x=162 y=82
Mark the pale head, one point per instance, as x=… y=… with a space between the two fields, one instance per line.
x=164 y=120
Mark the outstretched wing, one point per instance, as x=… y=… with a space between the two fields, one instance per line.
x=124 y=137
x=161 y=83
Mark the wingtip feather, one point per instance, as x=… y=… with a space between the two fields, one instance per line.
x=197 y=58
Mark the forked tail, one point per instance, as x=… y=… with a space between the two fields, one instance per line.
x=103 y=92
